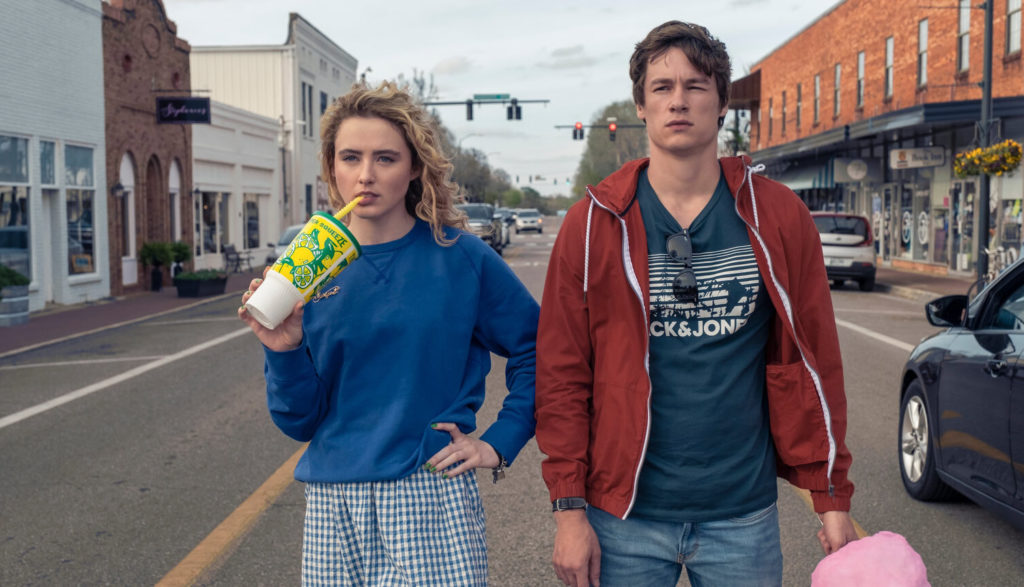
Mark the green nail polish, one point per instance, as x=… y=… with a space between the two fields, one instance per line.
x=433 y=425
x=444 y=475
x=426 y=466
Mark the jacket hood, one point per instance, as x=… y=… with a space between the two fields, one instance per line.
x=618 y=191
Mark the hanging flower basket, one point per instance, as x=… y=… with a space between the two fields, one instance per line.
x=996 y=160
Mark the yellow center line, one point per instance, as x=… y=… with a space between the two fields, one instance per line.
x=806 y=496
x=229 y=532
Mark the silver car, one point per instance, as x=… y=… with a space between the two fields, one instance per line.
x=529 y=219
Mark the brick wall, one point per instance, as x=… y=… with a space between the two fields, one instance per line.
x=864 y=25
x=141 y=55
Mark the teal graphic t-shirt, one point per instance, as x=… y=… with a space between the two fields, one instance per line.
x=710 y=454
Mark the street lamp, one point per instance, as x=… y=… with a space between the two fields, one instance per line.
x=464 y=137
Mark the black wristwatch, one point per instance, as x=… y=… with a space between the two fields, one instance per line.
x=568 y=503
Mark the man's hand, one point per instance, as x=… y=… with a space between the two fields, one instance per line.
x=836 y=531
x=577 y=556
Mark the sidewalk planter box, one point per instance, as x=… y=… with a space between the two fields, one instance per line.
x=193 y=288
x=13 y=305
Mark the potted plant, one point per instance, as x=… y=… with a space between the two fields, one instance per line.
x=205 y=282
x=181 y=252
x=13 y=297
x=156 y=254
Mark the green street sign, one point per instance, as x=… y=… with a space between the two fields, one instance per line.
x=491 y=96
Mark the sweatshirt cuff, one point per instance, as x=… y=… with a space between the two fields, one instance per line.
x=295 y=362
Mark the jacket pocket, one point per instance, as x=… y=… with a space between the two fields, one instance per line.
x=797 y=417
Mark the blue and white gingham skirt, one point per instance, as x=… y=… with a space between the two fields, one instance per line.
x=420 y=530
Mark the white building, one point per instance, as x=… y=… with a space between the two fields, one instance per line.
x=236 y=169
x=291 y=83
x=53 y=188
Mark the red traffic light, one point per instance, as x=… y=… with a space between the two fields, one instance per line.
x=612 y=126
x=579 y=125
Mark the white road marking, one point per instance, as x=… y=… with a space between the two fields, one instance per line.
x=85 y=362
x=111 y=381
x=876 y=335
x=892 y=312
x=192 y=321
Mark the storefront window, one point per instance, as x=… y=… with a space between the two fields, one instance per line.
x=47 y=165
x=15 y=251
x=940 y=242
x=251 y=217
x=80 y=196
x=963 y=224
x=211 y=234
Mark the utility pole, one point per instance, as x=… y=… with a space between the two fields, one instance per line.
x=986 y=140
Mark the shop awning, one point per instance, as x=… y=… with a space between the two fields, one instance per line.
x=807 y=177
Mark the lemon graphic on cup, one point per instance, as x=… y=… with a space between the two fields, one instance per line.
x=302 y=255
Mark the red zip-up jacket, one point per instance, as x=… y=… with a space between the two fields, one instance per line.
x=593 y=385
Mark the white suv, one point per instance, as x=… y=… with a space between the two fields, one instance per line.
x=848 y=248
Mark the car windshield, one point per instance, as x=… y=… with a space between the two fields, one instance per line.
x=529 y=214
x=477 y=211
x=289 y=234
x=841 y=225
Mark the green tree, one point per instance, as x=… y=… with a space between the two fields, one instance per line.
x=603 y=156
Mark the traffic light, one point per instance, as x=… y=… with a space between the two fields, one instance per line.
x=515 y=111
x=577 y=132
x=469 y=109
x=611 y=130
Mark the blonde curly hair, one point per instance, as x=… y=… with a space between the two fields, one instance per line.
x=432 y=196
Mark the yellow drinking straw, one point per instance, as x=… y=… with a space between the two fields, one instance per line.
x=348 y=207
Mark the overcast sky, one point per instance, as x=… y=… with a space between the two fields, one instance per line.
x=574 y=53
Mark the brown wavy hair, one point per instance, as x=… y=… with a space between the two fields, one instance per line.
x=704 y=51
x=431 y=196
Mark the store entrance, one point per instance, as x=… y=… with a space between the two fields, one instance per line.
x=962 y=198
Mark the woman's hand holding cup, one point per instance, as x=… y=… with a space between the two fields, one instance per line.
x=287 y=336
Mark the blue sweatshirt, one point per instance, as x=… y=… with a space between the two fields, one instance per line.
x=398 y=340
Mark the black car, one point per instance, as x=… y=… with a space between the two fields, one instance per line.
x=485 y=224
x=961 y=425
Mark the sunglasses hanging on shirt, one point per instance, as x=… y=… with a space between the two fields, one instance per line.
x=680 y=250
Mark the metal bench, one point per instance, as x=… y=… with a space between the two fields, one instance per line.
x=233 y=259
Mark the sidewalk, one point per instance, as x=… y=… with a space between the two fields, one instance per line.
x=922 y=287
x=58 y=323
x=64 y=322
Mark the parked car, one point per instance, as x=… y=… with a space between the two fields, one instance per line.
x=961 y=418
x=529 y=219
x=484 y=223
x=282 y=243
x=848 y=247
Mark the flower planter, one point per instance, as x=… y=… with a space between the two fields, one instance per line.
x=13 y=305
x=193 y=288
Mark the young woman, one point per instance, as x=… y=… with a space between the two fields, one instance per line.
x=383 y=372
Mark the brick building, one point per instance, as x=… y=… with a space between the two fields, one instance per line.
x=864 y=109
x=149 y=165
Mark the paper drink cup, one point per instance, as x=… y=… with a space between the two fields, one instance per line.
x=319 y=252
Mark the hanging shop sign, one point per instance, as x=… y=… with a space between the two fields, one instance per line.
x=920 y=157
x=187 y=110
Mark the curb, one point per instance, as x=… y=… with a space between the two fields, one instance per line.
x=910 y=293
x=45 y=343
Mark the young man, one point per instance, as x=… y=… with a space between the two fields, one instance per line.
x=687 y=352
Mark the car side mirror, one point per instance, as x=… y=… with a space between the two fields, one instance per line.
x=947 y=311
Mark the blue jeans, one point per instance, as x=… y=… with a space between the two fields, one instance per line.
x=739 y=551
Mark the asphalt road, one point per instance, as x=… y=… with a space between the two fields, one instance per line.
x=164 y=464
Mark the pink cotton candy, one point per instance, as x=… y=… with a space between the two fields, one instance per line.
x=882 y=560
